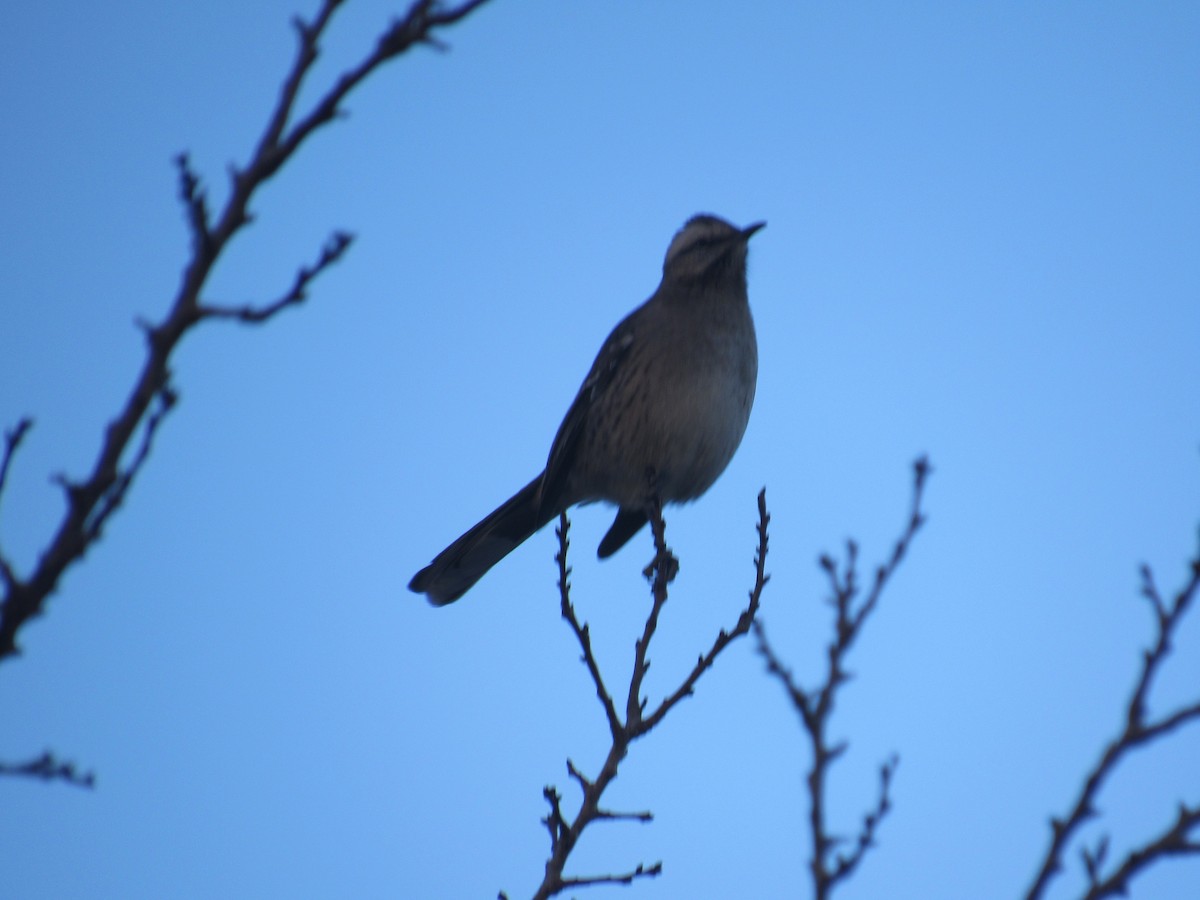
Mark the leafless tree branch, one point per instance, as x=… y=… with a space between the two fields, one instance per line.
x=1176 y=840
x=815 y=707
x=93 y=499
x=337 y=245
x=724 y=638
x=1135 y=732
x=565 y=833
x=627 y=878
x=582 y=634
x=12 y=440
x=47 y=768
x=844 y=865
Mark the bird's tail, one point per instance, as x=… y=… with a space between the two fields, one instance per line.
x=464 y=562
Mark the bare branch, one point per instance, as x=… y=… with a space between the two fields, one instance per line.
x=337 y=245
x=308 y=35
x=628 y=878
x=195 y=203
x=800 y=698
x=564 y=832
x=112 y=498
x=916 y=519
x=725 y=638
x=1176 y=840
x=1167 y=724
x=47 y=768
x=1135 y=733
x=1093 y=861
x=92 y=499
x=585 y=785
x=661 y=572
x=581 y=631
x=417 y=27
x=89 y=506
x=12 y=441
x=866 y=837
x=815 y=707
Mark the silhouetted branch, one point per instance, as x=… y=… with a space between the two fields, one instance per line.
x=114 y=494
x=12 y=440
x=94 y=498
x=417 y=27
x=582 y=634
x=627 y=878
x=338 y=244
x=47 y=768
x=1176 y=840
x=564 y=832
x=724 y=638
x=195 y=203
x=1136 y=732
x=815 y=707
x=844 y=866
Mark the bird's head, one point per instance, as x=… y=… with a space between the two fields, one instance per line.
x=707 y=248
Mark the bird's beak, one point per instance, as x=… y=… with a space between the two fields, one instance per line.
x=748 y=232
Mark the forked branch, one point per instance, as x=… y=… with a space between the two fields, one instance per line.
x=565 y=831
x=92 y=499
x=1179 y=838
x=827 y=865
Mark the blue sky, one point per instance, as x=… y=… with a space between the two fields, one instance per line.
x=982 y=245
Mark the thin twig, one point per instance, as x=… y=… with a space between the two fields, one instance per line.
x=661 y=571
x=627 y=878
x=417 y=27
x=845 y=865
x=815 y=707
x=582 y=634
x=1175 y=840
x=1136 y=732
x=92 y=499
x=195 y=202
x=565 y=833
x=724 y=638
x=12 y=440
x=115 y=495
x=47 y=768
x=337 y=245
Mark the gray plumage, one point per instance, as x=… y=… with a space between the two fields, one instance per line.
x=663 y=408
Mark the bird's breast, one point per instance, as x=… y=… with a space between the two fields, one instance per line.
x=683 y=411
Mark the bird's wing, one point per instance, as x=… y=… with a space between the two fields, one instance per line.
x=562 y=452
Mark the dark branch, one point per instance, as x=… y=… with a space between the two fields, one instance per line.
x=1093 y=860
x=93 y=499
x=564 y=832
x=581 y=631
x=417 y=27
x=337 y=245
x=661 y=572
x=628 y=878
x=88 y=507
x=47 y=768
x=1176 y=840
x=12 y=441
x=866 y=836
x=725 y=638
x=1135 y=733
x=195 y=204
x=815 y=707
x=114 y=496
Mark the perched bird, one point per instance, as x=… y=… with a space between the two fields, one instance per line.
x=658 y=417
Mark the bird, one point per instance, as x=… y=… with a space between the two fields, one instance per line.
x=657 y=419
